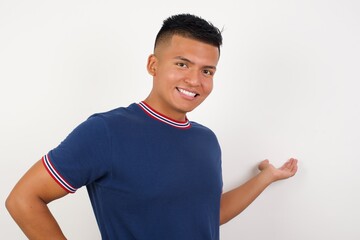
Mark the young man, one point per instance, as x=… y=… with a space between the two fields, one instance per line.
x=149 y=171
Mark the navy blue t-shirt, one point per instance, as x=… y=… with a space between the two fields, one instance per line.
x=148 y=177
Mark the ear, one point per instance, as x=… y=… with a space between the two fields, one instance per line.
x=152 y=64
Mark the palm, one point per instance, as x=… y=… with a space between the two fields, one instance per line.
x=288 y=169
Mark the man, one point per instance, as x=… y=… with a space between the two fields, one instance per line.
x=150 y=172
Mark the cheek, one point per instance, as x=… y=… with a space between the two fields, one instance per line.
x=207 y=86
x=170 y=75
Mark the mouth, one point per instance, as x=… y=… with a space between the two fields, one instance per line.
x=187 y=93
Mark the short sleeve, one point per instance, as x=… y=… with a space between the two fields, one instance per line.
x=83 y=157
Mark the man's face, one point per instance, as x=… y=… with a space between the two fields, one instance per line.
x=183 y=71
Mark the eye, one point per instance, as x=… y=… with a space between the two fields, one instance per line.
x=181 y=64
x=208 y=72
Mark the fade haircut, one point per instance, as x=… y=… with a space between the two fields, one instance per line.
x=189 y=26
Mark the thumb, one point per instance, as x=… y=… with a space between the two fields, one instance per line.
x=263 y=164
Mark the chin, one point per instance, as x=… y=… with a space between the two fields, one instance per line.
x=188 y=106
x=189 y=109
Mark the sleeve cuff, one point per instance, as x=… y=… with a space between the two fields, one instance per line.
x=56 y=176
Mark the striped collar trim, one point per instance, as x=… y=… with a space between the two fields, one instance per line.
x=158 y=116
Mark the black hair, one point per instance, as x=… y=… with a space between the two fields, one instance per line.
x=190 y=26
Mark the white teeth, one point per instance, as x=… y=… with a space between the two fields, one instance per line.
x=190 y=94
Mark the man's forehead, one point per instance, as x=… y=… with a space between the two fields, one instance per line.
x=189 y=48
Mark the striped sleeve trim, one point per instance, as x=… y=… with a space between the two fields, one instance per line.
x=56 y=176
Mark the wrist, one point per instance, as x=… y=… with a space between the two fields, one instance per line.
x=267 y=176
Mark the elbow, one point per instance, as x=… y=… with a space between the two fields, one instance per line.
x=223 y=216
x=9 y=203
x=224 y=220
x=18 y=205
x=12 y=204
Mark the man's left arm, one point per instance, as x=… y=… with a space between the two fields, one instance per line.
x=235 y=201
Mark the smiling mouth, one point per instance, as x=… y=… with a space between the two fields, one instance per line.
x=187 y=93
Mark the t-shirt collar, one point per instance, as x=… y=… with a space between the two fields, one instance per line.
x=160 y=117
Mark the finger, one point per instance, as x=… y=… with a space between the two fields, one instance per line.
x=286 y=165
x=293 y=166
x=292 y=162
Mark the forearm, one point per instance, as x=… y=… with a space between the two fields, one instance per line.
x=34 y=218
x=235 y=201
x=27 y=204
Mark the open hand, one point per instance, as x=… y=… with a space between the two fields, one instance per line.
x=288 y=169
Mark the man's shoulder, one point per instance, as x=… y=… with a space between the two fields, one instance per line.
x=200 y=127
x=116 y=113
x=117 y=116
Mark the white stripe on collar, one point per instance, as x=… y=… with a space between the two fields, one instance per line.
x=152 y=113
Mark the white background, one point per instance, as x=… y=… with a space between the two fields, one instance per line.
x=287 y=86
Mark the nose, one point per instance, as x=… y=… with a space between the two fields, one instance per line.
x=193 y=78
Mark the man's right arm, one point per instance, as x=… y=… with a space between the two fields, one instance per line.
x=27 y=203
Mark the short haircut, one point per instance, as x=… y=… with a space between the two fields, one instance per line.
x=189 y=26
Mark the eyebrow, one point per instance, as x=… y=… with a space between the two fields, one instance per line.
x=191 y=62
